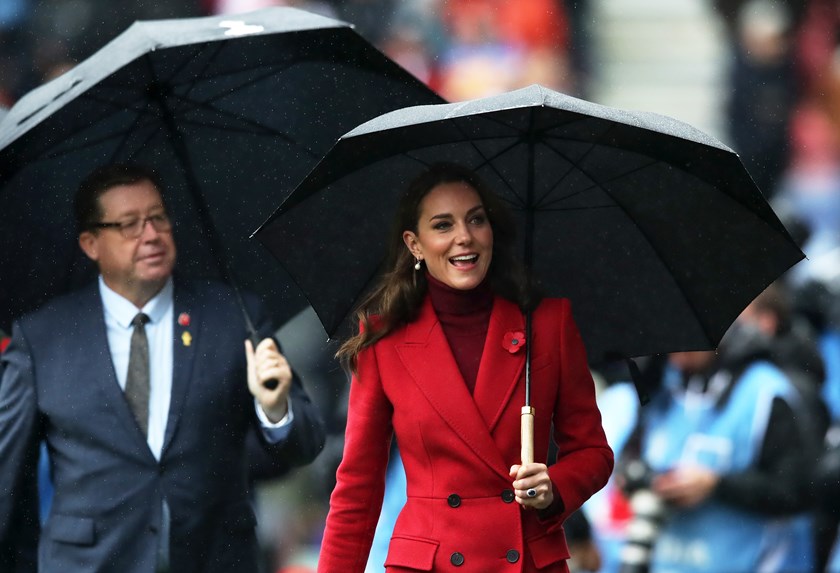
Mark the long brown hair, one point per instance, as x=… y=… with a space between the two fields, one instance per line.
x=396 y=298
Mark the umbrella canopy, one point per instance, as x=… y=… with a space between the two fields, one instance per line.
x=653 y=229
x=232 y=111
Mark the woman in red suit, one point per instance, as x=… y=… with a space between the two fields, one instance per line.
x=439 y=363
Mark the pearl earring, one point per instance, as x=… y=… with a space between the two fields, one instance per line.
x=417 y=265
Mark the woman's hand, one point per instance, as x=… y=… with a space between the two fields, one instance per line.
x=532 y=478
x=266 y=363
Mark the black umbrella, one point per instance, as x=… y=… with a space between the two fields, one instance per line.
x=232 y=111
x=653 y=229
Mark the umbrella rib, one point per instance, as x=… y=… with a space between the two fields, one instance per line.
x=124 y=140
x=595 y=185
x=221 y=46
x=142 y=113
x=47 y=156
x=214 y=77
x=254 y=80
x=197 y=104
x=544 y=205
x=488 y=160
x=189 y=103
x=540 y=201
x=244 y=121
x=262 y=129
x=269 y=71
x=186 y=61
x=186 y=103
x=576 y=165
x=587 y=208
x=572 y=165
x=222 y=112
x=493 y=119
x=215 y=49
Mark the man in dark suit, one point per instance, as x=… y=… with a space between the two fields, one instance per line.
x=141 y=388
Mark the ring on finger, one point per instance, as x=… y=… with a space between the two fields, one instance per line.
x=531 y=492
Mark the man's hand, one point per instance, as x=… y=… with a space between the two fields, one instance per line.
x=266 y=363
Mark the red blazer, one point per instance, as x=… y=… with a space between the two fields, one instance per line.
x=457 y=448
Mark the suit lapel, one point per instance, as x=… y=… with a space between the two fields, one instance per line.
x=427 y=357
x=186 y=334
x=499 y=370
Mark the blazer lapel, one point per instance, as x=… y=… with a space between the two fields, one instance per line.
x=427 y=357
x=186 y=331
x=500 y=369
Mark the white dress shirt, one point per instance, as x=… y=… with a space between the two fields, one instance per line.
x=119 y=313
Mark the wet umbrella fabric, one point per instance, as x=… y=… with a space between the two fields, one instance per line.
x=653 y=229
x=232 y=111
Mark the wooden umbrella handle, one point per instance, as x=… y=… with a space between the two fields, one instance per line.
x=527 y=435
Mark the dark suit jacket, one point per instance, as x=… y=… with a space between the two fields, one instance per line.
x=59 y=384
x=458 y=448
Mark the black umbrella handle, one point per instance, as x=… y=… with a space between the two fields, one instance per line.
x=269 y=384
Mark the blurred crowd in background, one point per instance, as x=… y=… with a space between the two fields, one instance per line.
x=778 y=106
x=462 y=49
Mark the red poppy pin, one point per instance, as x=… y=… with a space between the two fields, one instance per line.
x=4 y=342
x=184 y=319
x=513 y=341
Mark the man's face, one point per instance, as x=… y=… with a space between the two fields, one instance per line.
x=694 y=362
x=136 y=268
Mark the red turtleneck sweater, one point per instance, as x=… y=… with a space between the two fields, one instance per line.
x=464 y=316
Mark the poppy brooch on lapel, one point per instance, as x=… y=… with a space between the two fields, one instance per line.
x=514 y=341
x=184 y=320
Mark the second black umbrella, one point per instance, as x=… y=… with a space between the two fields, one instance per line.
x=232 y=111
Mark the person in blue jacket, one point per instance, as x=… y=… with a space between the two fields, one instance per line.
x=726 y=456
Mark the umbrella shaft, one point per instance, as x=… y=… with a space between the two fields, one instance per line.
x=528 y=358
x=212 y=233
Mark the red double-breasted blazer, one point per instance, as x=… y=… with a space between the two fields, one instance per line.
x=458 y=448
